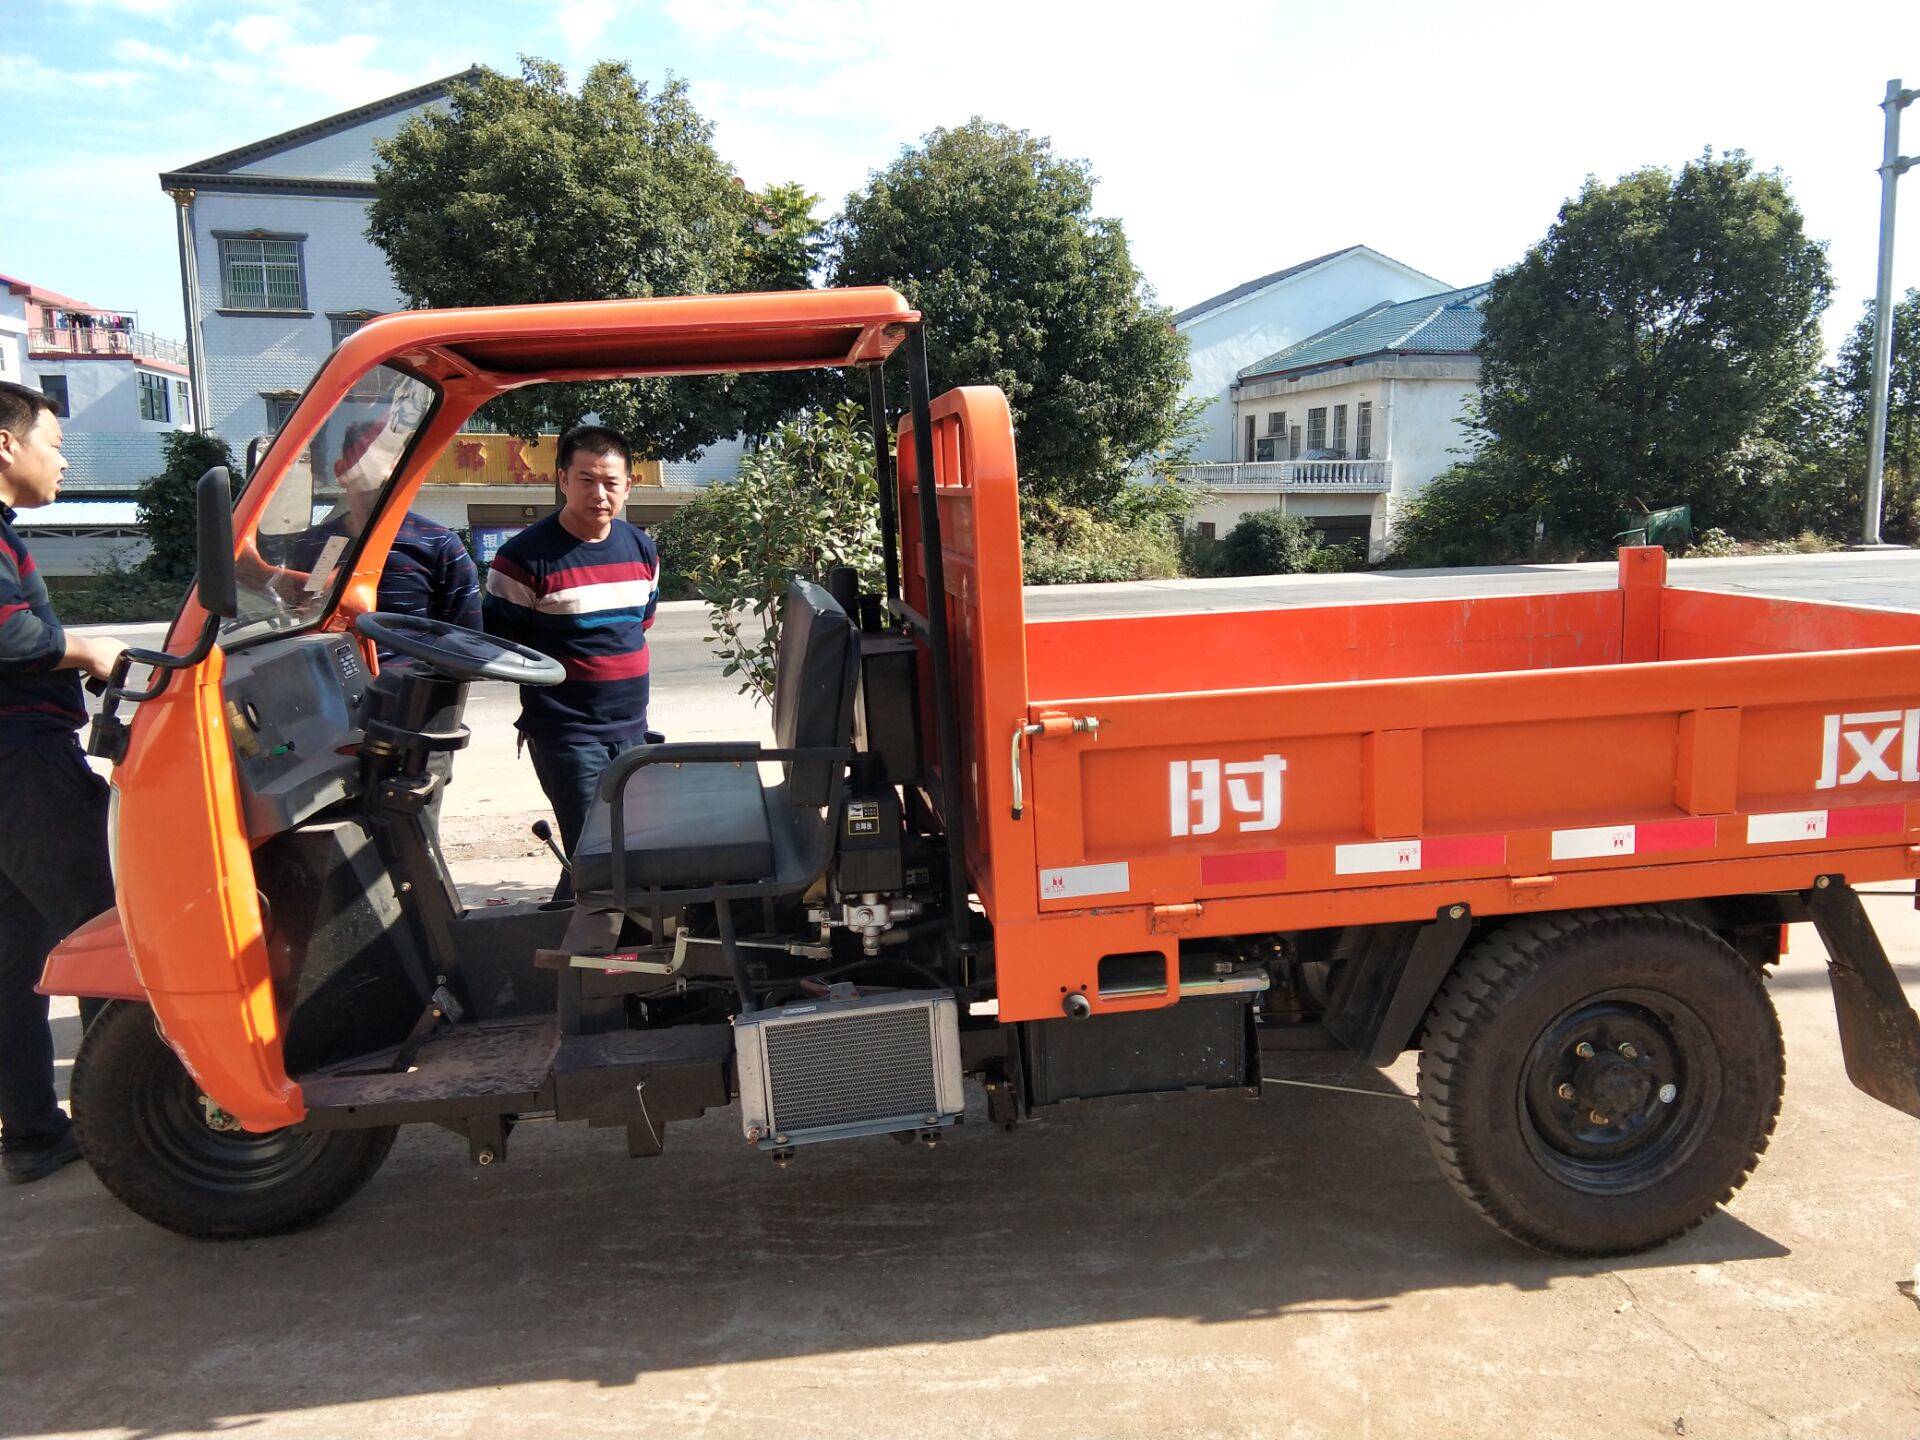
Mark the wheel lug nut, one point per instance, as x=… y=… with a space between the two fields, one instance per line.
x=1565 y=1092
x=1597 y=1118
x=1667 y=1092
x=1583 y=1050
x=1627 y=1051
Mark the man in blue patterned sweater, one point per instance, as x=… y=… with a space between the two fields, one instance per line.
x=581 y=586
x=54 y=871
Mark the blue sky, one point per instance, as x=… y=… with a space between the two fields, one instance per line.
x=1232 y=138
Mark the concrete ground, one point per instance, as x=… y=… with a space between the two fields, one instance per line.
x=1181 y=1267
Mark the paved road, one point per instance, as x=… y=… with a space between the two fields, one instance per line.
x=1189 y=1267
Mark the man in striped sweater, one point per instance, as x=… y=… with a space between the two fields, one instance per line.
x=581 y=586
x=54 y=871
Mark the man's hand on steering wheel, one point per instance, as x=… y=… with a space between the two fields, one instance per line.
x=457 y=653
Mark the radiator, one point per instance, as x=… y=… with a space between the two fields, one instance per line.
x=831 y=1069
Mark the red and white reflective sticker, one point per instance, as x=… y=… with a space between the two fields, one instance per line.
x=1073 y=881
x=1649 y=838
x=1439 y=852
x=1377 y=858
x=1786 y=826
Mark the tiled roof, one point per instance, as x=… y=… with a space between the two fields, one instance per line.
x=1443 y=324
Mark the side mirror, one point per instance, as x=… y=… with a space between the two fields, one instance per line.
x=219 y=594
x=254 y=446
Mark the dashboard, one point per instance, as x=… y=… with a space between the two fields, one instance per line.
x=292 y=706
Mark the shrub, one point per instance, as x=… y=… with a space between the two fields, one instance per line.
x=1269 y=542
x=804 y=502
x=1714 y=544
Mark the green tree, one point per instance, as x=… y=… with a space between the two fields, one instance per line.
x=993 y=237
x=805 y=502
x=519 y=190
x=1848 y=393
x=168 y=506
x=1665 y=323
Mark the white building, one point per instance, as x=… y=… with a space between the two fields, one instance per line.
x=1232 y=330
x=117 y=389
x=278 y=268
x=1341 y=425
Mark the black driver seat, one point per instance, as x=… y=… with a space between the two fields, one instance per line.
x=697 y=817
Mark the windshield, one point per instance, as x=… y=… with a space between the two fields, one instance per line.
x=307 y=534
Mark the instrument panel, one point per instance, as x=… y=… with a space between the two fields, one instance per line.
x=292 y=707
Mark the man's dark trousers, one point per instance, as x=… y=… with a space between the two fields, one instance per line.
x=54 y=877
x=570 y=771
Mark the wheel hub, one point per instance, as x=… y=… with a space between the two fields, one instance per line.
x=1607 y=1093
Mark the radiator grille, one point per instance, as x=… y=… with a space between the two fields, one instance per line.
x=853 y=1068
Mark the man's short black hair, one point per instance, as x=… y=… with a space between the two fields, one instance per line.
x=595 y=440
x=20 y=407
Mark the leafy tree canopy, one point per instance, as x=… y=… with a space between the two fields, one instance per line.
x=519 y=190
x=993 y=237
x=806 y=501
x=1851 y=382
x=169 y=505
x=1664 y=323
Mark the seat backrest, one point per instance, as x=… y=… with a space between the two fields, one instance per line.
x=813 y=685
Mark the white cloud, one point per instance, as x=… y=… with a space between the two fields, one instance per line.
x=24 y=75
x=259 y=33
x=582 y=22
x=139 y=52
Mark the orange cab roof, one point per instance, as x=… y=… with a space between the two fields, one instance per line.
x=509 y=345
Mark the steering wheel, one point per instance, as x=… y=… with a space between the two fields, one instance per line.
x=457 y=653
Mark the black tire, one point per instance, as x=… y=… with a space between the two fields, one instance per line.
x=1656 y=1000
x=140 y=1121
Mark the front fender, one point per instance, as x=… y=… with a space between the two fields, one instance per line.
x=93 y=962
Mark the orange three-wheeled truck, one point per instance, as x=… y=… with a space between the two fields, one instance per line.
x=1548 y=841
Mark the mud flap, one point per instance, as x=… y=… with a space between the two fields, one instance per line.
x=1879 y=1033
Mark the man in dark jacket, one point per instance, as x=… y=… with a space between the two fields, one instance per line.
x=54 y=871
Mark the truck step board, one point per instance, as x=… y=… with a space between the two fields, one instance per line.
x=469 y=1062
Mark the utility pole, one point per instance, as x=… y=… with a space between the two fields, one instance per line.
x=1892 y=166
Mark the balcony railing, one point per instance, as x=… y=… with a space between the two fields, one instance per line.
x=99 y=340
x=1351 y=475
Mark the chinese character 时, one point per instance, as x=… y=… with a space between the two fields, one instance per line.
x=1251 y=793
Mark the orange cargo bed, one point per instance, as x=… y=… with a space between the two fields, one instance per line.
x=1245 y=772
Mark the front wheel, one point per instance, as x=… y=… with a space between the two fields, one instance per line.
x=1596 y=1083
x=167 y=1154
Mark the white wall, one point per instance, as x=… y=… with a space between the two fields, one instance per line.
x=1225 y=340
x=254 y=354
x=343 y=155
x=1418 y=406
x=13 y=337
x=103 y=396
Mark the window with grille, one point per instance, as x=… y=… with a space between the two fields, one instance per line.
x=1277 y=423
x=1363 y=430
x=1317 y=428
x=261 y=274
x=54 y=387
x=183 y=397
x=1340 y=427
x=1293 y=443
x=1206 y=529
x=279 y=407
x=153 y=397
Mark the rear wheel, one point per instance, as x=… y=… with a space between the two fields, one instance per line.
x=172 y=1157
x=1596 y=1083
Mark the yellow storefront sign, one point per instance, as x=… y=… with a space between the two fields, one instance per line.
x=477 y=459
